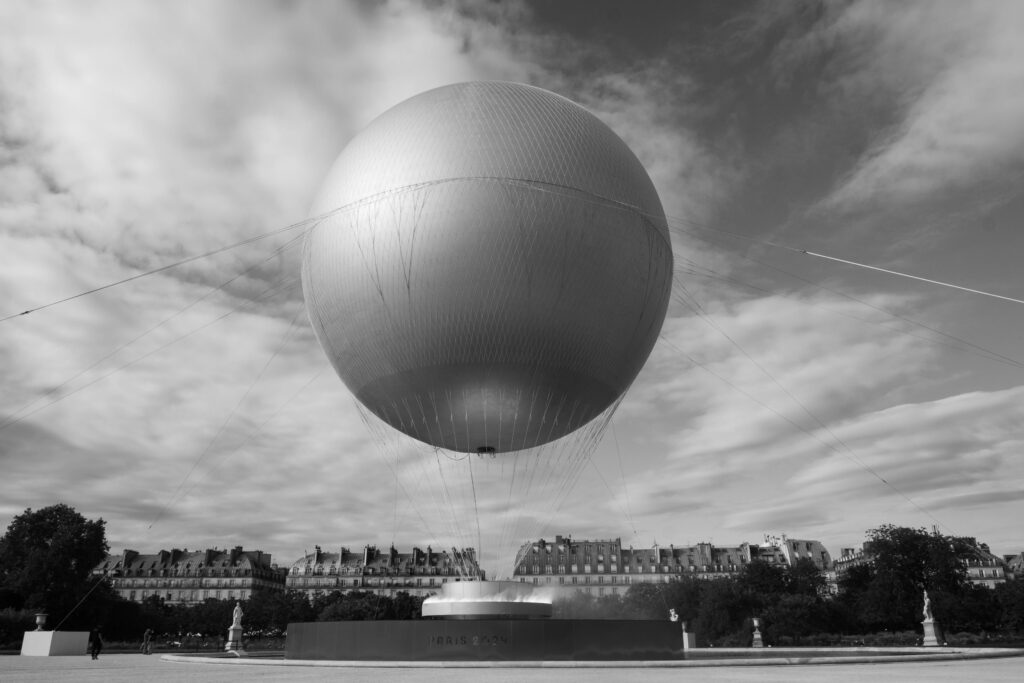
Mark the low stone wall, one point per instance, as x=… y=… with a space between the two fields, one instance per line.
x=485 y=640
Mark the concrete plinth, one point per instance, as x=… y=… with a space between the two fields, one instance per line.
x=469 y=640
x=54 y=643
x=932 y=633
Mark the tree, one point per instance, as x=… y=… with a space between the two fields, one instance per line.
x=272 y=610
x=794 y=616
x=905 y=562
x=645 y=601
x=211 y=617
x=408 y=606
x=975 y=609
x=358 y=606
x=156 y=614
x=804 y=578
x=46 y=557
x=762 y=585
x=1011 y=602
x=723 y=613
x=918 y=558
x=684 y=596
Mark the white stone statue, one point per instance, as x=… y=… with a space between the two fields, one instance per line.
x=236 y=615
x=927 y=606
x=673 y=615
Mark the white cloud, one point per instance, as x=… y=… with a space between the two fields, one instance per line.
x=956 y=70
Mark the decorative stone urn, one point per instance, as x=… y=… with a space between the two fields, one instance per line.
x=757 y=642
x=40 y=621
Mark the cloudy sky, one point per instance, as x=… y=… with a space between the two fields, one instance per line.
x=787 y=394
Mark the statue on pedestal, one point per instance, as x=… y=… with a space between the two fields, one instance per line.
x=234 y=643
x=929 y=626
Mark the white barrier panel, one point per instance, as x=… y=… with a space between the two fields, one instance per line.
x=53 y=643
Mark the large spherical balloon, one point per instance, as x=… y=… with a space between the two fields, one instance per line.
x=493 y=270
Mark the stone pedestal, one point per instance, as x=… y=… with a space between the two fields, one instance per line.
x=757 y=642
x=689 y=640
x=932 y=633
x=52 y=643
x=234 y=638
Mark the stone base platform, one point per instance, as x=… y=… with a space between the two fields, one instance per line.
x=485 y=640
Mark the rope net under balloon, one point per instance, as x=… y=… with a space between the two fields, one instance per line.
x=491 y=502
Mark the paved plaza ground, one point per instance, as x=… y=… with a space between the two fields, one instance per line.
x=152 y=669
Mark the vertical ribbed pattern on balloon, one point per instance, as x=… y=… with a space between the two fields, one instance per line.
x=499 y=269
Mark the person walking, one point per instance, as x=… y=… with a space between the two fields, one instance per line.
x=95 y=642
x=147 y=642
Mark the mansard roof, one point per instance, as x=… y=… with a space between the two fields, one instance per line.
x=372 y=557
x=184 y=560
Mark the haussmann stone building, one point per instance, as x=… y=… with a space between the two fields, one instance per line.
x=383 y=572
x=186 y=577
x=603 y=567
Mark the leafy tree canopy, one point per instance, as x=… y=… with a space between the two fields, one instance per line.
x=917 y=558
x=46 y=557
x=904 y=563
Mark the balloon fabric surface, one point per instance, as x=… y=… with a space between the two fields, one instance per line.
x=491 y=269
